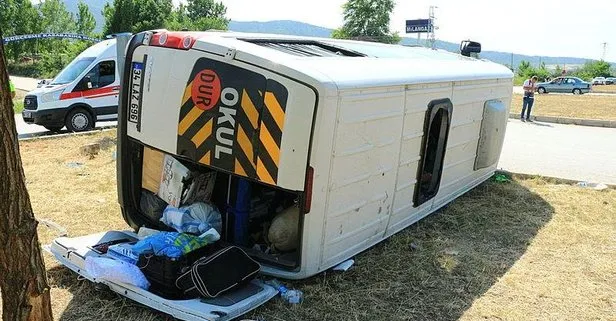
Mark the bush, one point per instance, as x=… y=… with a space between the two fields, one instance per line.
x=49 y=63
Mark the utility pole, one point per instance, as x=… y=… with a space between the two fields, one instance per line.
x=604 y=51
x=512 y=67
x=431 y=35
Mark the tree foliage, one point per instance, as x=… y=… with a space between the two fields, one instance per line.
x=198 y=15
x=525 y=70
x=85 y=20
x=55 y=17
x=136 y=15
x=45 y=57
x=139 y=15
x=592 y=69
x=367 y=20
x=19 y=17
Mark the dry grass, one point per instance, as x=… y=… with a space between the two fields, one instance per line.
x=527 y=250
x=572 y=106
x=604 y=89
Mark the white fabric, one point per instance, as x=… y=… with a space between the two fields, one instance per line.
x=116 y=271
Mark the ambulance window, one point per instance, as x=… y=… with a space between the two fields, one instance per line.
x=101 y=75
x=436 y=132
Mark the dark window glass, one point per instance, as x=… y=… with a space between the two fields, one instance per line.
x=436 y=132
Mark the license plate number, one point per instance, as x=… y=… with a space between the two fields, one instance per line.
x=134 y=114
x=27 y=114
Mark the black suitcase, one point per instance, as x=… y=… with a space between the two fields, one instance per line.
x=222 y=271
x=162 y=272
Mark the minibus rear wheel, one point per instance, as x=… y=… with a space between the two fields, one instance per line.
x=79 y=120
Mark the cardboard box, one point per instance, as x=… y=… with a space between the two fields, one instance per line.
x=152 y=169
x=173 y=176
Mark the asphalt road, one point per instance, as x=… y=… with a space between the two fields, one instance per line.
x=28 y=130
x=566 y=151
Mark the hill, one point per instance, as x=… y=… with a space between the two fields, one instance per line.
x=289 y=27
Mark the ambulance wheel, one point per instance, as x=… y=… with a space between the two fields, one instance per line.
x=79 y=120
x=54 y=129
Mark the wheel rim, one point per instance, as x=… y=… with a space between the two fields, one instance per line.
x=79 y=121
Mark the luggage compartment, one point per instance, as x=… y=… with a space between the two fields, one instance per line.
x=249 y=210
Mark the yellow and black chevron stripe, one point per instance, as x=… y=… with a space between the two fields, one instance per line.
x=271 y=128
x=257 y=128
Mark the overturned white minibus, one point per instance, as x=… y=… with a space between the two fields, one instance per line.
x=357 y=140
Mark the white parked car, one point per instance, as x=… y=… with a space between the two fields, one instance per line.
x=598 y=81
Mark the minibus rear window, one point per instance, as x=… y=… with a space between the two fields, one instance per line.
x=305 y=48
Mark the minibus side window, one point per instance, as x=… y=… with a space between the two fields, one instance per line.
x=101 y=75
x=436 y=132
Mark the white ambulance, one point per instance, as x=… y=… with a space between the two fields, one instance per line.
x=362 y=139
x=84 y=92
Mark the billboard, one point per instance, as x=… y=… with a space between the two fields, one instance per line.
x=419 y=25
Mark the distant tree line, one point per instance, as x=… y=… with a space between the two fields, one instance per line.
x=45 y=57
x=588 y=71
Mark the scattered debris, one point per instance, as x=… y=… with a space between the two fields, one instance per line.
x=90 y=150
x=61 y=231
x=501 y=178
x=344 y=266
x=74 y=165
x=114 y=155
x=106 y=142
x=595 y=186
x=451 y=252
x=413 y=246
x=290 y=296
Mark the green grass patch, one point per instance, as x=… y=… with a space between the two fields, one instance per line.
x=18 y=106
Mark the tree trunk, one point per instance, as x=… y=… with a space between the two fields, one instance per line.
x=23 y=280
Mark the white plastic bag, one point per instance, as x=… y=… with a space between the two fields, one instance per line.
x=197 y=218
x=116 y=271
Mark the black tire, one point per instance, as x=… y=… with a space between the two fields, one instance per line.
x=79 y=120
x=54 y=129
x=541 y=90
x=577 y=91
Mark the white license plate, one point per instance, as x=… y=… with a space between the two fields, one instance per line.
x=27 y=114
x=134 y=113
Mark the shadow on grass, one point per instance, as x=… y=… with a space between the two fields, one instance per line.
x=433 y=270
x=92 y=302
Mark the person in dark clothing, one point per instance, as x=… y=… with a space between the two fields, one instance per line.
x=529 y=98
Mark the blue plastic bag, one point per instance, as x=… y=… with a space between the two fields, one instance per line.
x=173 y=244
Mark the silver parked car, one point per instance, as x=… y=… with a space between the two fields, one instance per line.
x=564 y=85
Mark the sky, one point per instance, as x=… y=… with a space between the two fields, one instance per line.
x=534 y=27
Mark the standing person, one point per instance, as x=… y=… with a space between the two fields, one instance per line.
x=12 y=89
x=529 y=97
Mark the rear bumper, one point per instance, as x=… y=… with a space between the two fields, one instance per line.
x=50 y=118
